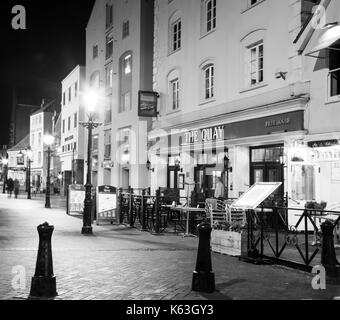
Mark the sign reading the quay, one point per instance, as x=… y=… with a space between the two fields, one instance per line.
x=147 y=104
x=204 y=135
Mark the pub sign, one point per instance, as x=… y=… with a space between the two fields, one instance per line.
x=147 y=104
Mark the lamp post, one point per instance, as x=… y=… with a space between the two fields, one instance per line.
x=227 y=169
x=29 y=156
x=49 y=140
x=4 y=164
x=91 y=100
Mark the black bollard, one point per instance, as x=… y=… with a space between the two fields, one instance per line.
x=44 y=282
x=203 y=278
x=328 y=256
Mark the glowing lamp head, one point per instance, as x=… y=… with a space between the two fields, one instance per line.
x=5 y=162
x=48 y=140
x=91 y=100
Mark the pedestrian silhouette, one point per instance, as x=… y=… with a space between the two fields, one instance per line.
x=16 y=188
x=10 y=187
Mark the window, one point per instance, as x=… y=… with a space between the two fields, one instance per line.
x=125 y=83
x=255 y=65
x=109 y=15
x=63 y=126
x=107 y=143
x=95 y=51
x=127 y=101
x=76 y=89
x=334 y=72
x=69 y=124
x=64 y=98
x=39 y=157
x=176 y=35
x=126 y=29
x=209 y=81
x=39 y=139
x=174 y=84
x=95 y=80
x=210 y=15
x=75 y=146
x=109 y=77
x=75 y=120
x=108 y=112
x=69 y=94
x=128 y=64
x=109 y=46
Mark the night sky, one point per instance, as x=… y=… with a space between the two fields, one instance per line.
x=35 y=60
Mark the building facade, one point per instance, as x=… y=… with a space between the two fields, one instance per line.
x=317 y=173
x=41 y=124
x=72 y=134
x=119 y=57
x=233 y=99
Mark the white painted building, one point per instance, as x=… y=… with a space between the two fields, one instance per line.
x=71 y=149
x=119 y=53
x=231 y=83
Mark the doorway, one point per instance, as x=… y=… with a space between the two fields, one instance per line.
x=206 y=177
x=266 y=166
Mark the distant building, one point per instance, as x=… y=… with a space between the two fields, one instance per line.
x=119 y=57
x=71 y=132
x=17 y=161
x=40 y=125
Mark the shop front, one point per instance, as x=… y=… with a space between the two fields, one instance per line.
x=239 y=154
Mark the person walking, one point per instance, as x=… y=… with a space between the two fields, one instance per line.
x=16 y=188
x=10 y=187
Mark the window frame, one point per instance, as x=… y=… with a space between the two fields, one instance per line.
x=208 y=78
x=255 y=61
x=176 y=43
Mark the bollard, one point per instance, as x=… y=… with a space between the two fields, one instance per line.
x=203 y=278
x=44 y=282
x=328 y=256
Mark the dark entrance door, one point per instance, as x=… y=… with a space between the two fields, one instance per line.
x=173 y=177
x=204 y=182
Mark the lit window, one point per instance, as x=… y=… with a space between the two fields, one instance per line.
x=109 y=46
x=127 y=64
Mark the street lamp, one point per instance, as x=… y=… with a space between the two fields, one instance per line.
x=29 y=156
x=4 y=165
x=48 y=140
x=227 y=169
x=91 y=100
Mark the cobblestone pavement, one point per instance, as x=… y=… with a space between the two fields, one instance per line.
x=118 y=263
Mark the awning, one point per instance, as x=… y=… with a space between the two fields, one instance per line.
x=329 y=38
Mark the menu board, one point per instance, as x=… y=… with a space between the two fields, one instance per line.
x=76 y=198
x=256 y=195
x=106 y=203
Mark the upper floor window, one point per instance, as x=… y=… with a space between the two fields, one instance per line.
x=174 y=87
x=109 y=15
x=334 y=72
x=126 y=29
x=95 y=80
x=208 y=71
x=176 y=35
x=128 y=64
x=125 y=81
x=63 y=126
x=69 y=124
x=109 y=46
x=64 y=98
x=109 y=76
x=255 y=64
x=75 y=120
x=95 y=51
x=69 y=94
x=210 y=15
x=76 y=89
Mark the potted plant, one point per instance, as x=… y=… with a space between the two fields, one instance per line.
x=226 y=238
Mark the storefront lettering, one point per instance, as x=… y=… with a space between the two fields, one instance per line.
x=204 y=135
x=277 y=123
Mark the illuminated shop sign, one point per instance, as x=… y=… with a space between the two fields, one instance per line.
x=204 y=135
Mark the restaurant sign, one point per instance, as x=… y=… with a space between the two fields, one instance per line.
x=204 y=135
x=147 y=104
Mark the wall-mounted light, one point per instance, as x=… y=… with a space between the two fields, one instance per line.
x=148 y=166
x=226 y=163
